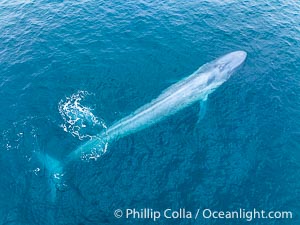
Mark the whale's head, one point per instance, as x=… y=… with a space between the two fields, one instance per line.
x=227 y=64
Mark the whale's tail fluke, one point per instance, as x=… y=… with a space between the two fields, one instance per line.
x=54 y=169
x=54 y=173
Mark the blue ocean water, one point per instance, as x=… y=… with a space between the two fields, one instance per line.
x=101 y=60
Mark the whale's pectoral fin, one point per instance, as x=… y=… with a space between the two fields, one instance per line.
x=202 y=111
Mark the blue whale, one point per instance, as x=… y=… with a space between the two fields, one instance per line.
x=194 y=88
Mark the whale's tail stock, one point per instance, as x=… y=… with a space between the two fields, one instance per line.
x=92 y=149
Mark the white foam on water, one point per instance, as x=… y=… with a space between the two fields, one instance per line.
x=80 y=122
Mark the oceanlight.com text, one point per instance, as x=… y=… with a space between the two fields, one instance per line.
x=247 y=215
